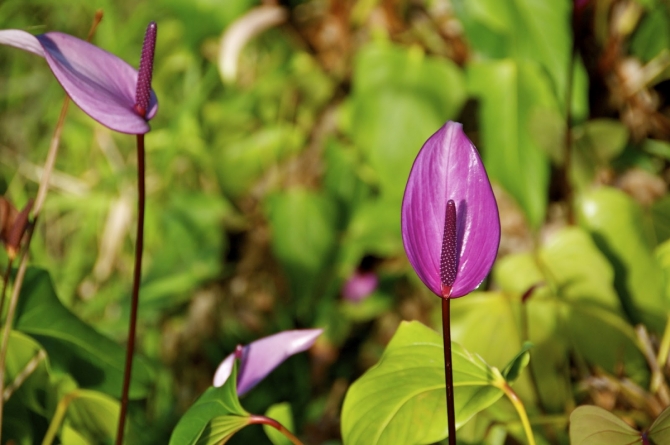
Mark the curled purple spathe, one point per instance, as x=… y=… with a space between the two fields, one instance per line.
x=448 y=168
x=261 y=357
x=100 y=83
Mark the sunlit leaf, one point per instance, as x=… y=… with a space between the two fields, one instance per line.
x=592 y=425
x=659 y=431
x=378 y=410
x=512 y=156
x=395 y=89
x=615 y=221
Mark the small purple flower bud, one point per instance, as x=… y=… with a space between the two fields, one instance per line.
x=143 y=92
x=360 y=285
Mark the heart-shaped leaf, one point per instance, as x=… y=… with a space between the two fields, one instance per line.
x=401 y=399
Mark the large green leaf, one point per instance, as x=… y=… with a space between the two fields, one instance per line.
x=401 y=399
x=592 y=425
x=397 y=104
x=95 y=361
x=616 y=223
x=511 y=154
x=213 y=418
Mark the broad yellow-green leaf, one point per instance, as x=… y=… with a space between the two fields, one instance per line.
x=402 y=398
x=592 y=425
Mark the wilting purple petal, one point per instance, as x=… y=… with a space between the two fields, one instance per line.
x=360 y=285
x=448 y=167
x=261 y=357
x=100 y=83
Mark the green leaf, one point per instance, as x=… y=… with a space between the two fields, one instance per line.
x=526 y=30
x=575 y=306
x=213 y=418
x=91 y=418
x=303 y=239
x=592 y=425
x=241 y=163
x=511 y=154
x=652 y=35
x=659 y=431
x=395 y=90
x=617 y=226
x=596 y=143
x=518 y=363
x=660 y=219
x=95 y=361
x=282 y=413
x=401 y=399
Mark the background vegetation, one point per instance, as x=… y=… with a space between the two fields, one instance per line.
x=272 y=182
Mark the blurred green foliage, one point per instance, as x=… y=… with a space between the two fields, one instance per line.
x=267 y=190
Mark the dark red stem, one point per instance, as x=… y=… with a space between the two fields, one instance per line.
x=136 y=288
x=262 y=420
x=448 y=371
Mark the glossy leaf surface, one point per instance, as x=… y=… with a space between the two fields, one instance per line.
x=377 y=410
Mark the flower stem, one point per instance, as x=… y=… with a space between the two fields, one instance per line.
x=130 y=349
x=262 y=420
x=448 y=372
x=520 y=409
x=5 y=281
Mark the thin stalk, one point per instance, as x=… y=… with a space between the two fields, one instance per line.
x=521 y=410
x=262 y=420
x=5 y=281
x=137 y=275
x=57 y=419
x=448 y=370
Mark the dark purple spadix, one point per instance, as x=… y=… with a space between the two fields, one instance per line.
x=100 y=83
x=450 y=223
x=143 y=91
x=449 y=255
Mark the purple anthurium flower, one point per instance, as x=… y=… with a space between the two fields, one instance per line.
x=450 y=223
x=360 y=285
x=100 y=83
x=261 y=357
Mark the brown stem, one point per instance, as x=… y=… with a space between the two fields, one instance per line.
x=4 y=284
x=262 y=420
x=136 y=288
x=448 y=371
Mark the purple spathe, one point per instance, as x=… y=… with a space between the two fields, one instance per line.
x=100 y=83
x=261 y=357
x=448 y=167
